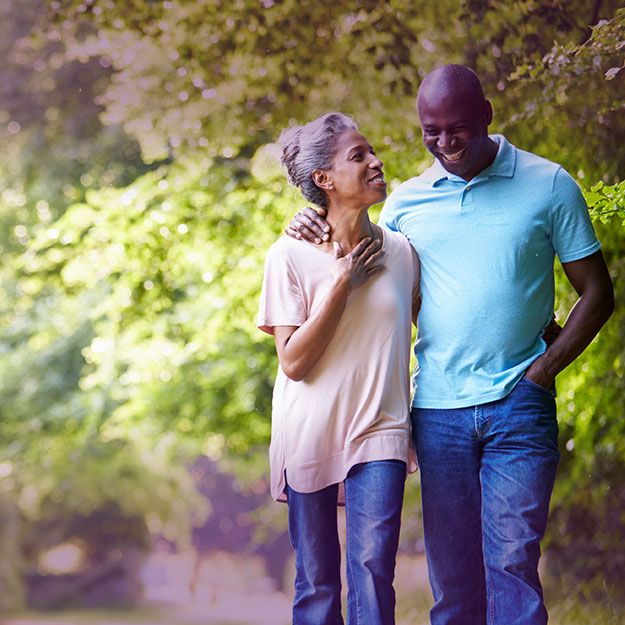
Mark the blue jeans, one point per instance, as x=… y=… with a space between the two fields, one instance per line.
x=373 y=501
x=487 y=474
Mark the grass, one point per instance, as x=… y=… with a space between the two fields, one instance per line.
x=572 y=608
x=575 y=610
x=413 y=608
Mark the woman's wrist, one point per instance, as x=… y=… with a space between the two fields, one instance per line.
x=342 y=285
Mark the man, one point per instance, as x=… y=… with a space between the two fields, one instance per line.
x=487 y=220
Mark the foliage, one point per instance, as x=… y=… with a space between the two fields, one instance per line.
x=140 y=193
x=588 y=515
x=574 y=96
x=180 y=251
x=53 y=461
x=606 y=203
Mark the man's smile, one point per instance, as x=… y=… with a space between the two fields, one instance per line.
x=453 y=157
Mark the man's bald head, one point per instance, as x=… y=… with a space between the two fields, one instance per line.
x=451 y=81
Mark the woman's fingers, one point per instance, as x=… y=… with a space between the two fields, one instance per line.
x=361 y=247
x=368 y=251
x=374 y=258
x=372 y=271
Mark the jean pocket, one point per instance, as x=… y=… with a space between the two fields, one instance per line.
x=542 y=389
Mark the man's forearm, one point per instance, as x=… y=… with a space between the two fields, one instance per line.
x=582 y=325
x=590 y=278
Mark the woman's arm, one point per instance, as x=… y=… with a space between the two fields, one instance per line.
x=300 y=347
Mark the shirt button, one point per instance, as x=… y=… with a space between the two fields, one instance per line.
x=468 y=188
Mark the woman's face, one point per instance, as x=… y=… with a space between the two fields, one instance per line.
x=356 y=172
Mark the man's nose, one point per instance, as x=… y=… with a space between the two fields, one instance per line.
x=445 y=139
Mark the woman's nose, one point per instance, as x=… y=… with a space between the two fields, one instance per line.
x=376 y=163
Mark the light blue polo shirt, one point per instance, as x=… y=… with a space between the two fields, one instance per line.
x=487 y=250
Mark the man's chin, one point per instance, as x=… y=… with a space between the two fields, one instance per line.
x=455 y=168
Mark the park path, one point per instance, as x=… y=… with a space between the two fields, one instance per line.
x=227 y=608
x=267 y=609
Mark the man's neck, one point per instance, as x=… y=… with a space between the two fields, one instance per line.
x=490 y=153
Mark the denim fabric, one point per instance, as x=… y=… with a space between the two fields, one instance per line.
x=487 y=474
x=373 y=501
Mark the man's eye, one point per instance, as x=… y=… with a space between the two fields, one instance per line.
x=356 y=156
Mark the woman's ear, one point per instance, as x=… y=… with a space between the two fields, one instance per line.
x=322 y=179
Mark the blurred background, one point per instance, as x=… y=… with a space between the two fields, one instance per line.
x=139 y=192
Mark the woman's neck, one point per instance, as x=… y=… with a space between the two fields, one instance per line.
x=348 y=228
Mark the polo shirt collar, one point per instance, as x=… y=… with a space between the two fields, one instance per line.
x=503 y=165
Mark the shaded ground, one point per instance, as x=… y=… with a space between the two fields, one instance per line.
x=229 y=607
x=218 y=603
x=265 y=609
x=270 y=610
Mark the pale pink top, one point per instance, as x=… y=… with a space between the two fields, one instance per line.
x=353 y=405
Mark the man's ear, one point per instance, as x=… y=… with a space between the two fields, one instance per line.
x=322 y=179
x=488 y=112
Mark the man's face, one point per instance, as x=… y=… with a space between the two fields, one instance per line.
x=455 y=131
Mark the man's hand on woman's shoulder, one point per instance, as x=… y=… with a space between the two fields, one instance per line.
x=309 y=224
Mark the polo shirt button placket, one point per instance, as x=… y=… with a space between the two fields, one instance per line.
x=467 y=198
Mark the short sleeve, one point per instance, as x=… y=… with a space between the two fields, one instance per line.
x=388 y=216
x=281 y=302
x=573 y=236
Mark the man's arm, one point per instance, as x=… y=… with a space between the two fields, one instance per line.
x=309 y=224
x=591 y=280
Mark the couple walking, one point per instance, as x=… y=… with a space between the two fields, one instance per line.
x=466 y=252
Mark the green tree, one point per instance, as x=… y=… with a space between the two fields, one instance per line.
x=141 y=191
x=53 y=461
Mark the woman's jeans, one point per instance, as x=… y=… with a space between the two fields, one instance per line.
x=487 y=474
x=373 y=501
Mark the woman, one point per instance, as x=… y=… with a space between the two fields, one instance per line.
x=341 y=323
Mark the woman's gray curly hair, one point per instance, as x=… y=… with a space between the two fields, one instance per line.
x=312 y=146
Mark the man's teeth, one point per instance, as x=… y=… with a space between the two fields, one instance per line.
x=455 y=156
x=379 y=178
